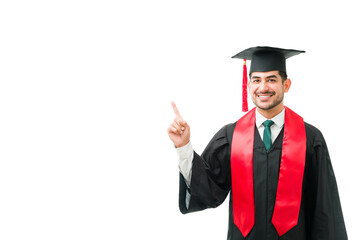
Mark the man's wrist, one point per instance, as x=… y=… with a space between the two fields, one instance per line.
x=186 y=155
x=181 y=145
x=185 y=150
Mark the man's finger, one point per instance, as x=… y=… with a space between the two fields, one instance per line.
x=180 y=122
x=176 y=126
x=183 y=123
x=176 y=110
x=171 y=129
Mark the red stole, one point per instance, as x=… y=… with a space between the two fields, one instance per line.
x=288 y=195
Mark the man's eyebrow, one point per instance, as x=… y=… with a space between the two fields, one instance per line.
x=272 y=76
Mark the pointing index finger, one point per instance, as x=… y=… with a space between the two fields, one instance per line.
x=176 y=110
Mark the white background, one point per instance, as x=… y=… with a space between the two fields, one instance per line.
x=85 y=91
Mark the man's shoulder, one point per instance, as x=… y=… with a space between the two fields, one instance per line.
x=313 y=134
x=230 y=126
x=311 y=129
x=226 y=131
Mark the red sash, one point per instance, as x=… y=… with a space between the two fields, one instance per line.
x=288 y=195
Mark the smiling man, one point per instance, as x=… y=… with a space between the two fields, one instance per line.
x=267 y=92
x=275 y=166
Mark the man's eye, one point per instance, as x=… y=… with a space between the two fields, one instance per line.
x=256 y=81
x=272 y=80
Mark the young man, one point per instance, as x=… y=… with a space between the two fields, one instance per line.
x=275 y=166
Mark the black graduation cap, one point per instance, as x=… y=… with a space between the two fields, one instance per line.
x=264 y=59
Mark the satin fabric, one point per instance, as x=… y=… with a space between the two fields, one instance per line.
x=242 y=173
x=288 y=196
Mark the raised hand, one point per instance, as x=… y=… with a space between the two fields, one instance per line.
x=179 y=130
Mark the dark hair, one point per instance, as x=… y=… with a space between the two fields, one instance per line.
x=282 y=74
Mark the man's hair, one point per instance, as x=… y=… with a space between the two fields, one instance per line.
x=282 y=74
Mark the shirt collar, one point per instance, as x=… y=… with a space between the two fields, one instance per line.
x=278 y=119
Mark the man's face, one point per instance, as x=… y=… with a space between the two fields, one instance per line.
x=267 y=89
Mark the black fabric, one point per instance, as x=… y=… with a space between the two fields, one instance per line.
x=320 y=215
x=264 y=59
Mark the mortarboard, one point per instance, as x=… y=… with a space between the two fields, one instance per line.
x=264 y=59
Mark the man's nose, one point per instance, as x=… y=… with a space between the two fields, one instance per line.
x=263 y=86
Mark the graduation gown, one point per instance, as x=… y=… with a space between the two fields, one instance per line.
x=320 y=216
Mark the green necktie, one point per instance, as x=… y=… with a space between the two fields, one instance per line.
x=267 y=134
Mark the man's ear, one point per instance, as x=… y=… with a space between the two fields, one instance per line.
x=287 y=84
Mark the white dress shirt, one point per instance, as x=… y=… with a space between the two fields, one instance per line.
x=186 y=153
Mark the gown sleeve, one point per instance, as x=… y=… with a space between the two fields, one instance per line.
x=210 y=178
x=326 y=218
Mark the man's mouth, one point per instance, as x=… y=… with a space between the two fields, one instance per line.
x=264 y=96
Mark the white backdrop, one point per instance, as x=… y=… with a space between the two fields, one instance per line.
x=85 y=91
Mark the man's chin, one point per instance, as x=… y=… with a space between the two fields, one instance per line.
x=265 y=106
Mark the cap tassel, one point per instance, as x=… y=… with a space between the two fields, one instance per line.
x=244 y=88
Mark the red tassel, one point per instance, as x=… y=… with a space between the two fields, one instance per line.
x=244 y=88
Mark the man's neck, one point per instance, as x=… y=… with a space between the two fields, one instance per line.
x=270 y=113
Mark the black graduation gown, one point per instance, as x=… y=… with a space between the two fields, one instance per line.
x=320 y=215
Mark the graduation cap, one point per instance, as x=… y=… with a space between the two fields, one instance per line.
x=264 y=59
